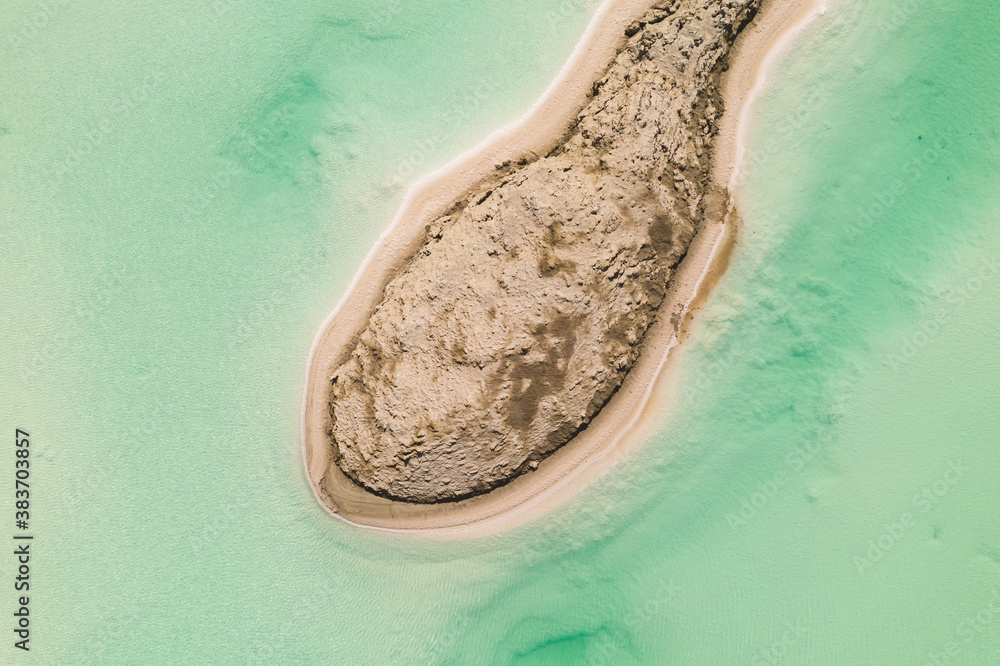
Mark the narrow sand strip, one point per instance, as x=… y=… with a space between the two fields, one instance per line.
x=591 y=452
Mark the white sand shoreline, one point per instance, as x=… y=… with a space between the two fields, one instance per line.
x=535 y=133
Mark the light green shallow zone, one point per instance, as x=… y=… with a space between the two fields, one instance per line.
x=821 y=487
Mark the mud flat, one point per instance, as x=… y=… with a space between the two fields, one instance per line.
x=346 y=477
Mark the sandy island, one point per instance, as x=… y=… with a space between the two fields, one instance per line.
x=593 y=450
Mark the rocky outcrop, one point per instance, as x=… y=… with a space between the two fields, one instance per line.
x=527 y=304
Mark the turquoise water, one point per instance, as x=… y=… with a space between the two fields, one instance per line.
x=186 y=193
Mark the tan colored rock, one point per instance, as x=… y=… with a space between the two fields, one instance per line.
x=527 y=305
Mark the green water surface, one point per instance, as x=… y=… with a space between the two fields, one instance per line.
x=186 y=190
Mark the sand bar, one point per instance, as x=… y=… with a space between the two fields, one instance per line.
x=538 y=131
